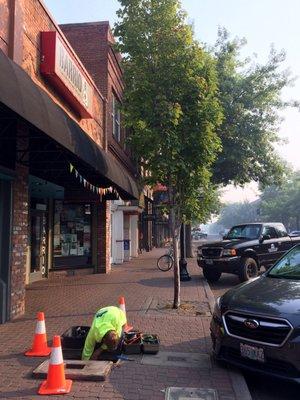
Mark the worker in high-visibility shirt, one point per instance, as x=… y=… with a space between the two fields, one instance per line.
x=106 y=330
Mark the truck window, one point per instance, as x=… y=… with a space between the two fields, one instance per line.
x=281 y=231
x=249 y=232
x=269 y=230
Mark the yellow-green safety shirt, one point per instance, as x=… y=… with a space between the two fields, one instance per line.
x=106 y=319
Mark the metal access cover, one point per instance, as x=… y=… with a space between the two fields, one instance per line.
x=79 y=370
x=172 y=359
x=179 y=393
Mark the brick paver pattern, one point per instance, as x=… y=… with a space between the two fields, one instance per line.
x=73 y=300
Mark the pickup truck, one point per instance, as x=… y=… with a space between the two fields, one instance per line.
x=244 y=250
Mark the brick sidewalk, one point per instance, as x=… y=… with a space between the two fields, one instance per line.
x=73 y=300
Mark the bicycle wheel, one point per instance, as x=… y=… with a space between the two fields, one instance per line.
x=165 y=262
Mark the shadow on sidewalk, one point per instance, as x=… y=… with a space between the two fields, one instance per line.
x=17 y=394
x=168 y=376
x=200 y=345
x=19 y=358
x=51 y=316
x=168 y=281
x=42 y=287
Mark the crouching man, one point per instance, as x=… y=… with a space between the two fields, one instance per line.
x=106 y=330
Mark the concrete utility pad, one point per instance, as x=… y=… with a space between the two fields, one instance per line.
x=172 y=359
x=79 y=370
x=178 y=393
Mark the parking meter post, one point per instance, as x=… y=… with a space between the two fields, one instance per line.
x=184 y=275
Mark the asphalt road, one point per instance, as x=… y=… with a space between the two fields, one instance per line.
x=261 y=388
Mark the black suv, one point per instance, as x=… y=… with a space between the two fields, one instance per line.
x=256 y=325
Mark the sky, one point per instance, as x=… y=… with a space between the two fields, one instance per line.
x=261 y=22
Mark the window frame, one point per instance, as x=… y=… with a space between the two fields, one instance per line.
x=270 y=227
x=116 y=118
x=281 y=231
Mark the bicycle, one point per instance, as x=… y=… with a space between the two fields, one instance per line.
x=166 y=261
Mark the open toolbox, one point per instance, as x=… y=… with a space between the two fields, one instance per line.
x=72 y=342
x=132 y=343
x=150 y=343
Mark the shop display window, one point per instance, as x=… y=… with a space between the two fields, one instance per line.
x=72 y=232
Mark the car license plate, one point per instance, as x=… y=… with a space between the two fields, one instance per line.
x=209 y=261
x=252 y=352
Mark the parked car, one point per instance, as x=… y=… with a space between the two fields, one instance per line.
x=294 y=233
x=200 y=235
x=245 y=249
x=256 y=325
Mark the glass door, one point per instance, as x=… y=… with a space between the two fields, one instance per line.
x=39 y=242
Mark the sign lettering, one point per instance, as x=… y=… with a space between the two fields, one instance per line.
x=61 y=68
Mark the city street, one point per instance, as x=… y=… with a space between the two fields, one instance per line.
x=147 y=149
x=72 y=301
x=261 y=388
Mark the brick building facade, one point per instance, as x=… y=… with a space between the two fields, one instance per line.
x=57 y=176
x=94 y=43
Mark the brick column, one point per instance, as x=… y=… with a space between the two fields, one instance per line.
x=103 y=238
x=20 y=232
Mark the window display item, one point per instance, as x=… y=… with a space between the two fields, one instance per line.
x=72 y=233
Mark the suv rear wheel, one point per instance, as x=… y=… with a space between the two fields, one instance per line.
x=211 y=274
x=248 y=269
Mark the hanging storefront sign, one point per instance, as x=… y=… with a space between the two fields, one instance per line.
x=43 y=243
x=60 y=67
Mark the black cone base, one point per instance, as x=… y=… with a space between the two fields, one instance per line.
x=184 y=275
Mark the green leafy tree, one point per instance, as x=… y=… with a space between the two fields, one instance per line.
x=239 y=213
x=283 y=203
x=250 y=95
x=170 y=106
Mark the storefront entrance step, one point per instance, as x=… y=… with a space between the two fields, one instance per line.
x=173 y=359
x=79 y=370
x=179 y=393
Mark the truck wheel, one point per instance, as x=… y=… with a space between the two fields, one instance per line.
x=248 y=269
x=211 y=275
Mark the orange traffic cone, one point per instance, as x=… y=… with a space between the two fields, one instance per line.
x=56 y=383
x=39 y=347
x=127 y=328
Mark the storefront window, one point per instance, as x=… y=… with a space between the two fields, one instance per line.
x=72 y=233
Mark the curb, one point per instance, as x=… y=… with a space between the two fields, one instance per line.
x=209 y=294
x=239 y=384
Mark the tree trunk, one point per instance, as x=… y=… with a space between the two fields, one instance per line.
x=175 y=239
x=188 y=241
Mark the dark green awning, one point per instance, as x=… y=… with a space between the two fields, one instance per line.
x=19 y=93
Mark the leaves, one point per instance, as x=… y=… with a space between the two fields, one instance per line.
x=239 y=213
x=170 y=101
x=250 y=97
x=283 y=203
